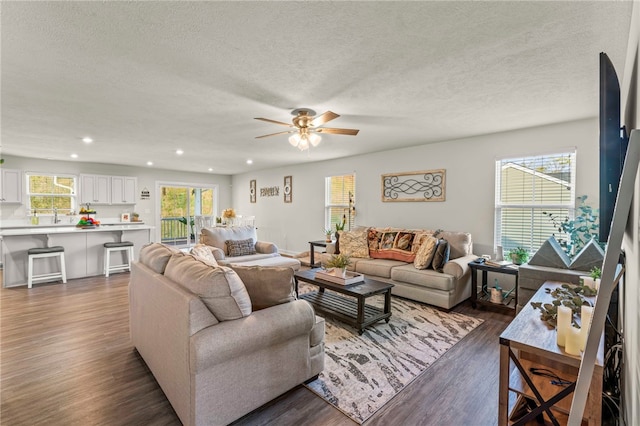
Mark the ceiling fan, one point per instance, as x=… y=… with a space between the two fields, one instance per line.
x=306 y=126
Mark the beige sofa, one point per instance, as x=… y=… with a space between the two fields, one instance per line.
x=220 y=343
x=258 y=253
x=444 y=288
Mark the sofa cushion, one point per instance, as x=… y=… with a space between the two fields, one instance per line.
x=441 y=255
x=354 y=243
x=377 y=267
x=220 y=288
x=248 y=258
x=425 y=253
x=218 y=235
x=460 y=243
x=267 y=286
x=203 y=252
x=156 y=256
x=423 y=277
x=241 y=247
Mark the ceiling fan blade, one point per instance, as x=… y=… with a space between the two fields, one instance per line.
x=275 y=122
x=323 y=118
x=351 y=132
x=275 y=134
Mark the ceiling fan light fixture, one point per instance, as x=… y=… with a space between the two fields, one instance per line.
x=294 y=139
x=315 y=139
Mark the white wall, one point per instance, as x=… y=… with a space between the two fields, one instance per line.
x=630 y=94
x=147 y=178
x=470 y=176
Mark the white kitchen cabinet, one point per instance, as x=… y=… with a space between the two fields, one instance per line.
x=123 y=189
x=11 y=186
x=95 y=189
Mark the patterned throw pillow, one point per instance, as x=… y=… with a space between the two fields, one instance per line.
x=441 y=256
x=426 y=252
x=241 y=247
x=202 y=252
x=354 y=243
x=388 y=243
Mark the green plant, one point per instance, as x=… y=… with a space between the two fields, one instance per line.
x=340 y=225
x=519 y=255
x=327 y=232
x=566 y=295
x=338 y=261
x=595 y=273
x=580 y=230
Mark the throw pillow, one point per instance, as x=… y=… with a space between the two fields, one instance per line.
x=203 y=252
x=220 y=288
x=441 y=256
x=394 y=244
x=267 y=286
x=354 y=243
x=241 y=247
x=426 y=252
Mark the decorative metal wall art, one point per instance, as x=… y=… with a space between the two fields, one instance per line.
x=288 y=189
x=427 y=185
x=252 y=191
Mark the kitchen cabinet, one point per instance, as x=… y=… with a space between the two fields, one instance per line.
x=95 y=189
x=123 y=189
x=10 y=186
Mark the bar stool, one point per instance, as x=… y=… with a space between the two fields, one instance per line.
x=44 y=252
x=127 y=247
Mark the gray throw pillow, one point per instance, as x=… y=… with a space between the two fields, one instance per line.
x=267 y=286
x=441 y=256
x=241 y=247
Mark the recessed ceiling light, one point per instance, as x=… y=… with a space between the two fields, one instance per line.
x=149 y=163
x=249 y=161
x=74 y=155
x=87 y=139
x=210 y=169
x=179 y=151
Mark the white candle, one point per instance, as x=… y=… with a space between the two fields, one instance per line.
x=565 y=316
x=587 y=281
x=586 y=313
x=572 y=344
x=598 y=283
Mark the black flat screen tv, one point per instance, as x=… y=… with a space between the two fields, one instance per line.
x=613 y=144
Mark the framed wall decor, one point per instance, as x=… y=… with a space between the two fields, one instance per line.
x=288 y=189
x=426 y=185
x=252 y=191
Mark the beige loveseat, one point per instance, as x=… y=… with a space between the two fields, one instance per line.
x=388 y=254
x=230 y=245
x=220 y=343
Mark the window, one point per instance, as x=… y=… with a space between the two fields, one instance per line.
x=49 y=192
x=526 y=189
x=339 y=197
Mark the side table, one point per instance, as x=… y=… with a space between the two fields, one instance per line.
x=509 y=303
x=312 y=245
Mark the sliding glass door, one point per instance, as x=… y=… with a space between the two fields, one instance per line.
x=179 y=204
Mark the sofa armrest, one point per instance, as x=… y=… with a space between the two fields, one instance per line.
x=232 y=339
x=459 y=267
x=266 y=247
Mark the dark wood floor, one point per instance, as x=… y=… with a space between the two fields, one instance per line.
x=66 y=359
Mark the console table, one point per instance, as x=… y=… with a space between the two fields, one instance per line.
x=529 y=343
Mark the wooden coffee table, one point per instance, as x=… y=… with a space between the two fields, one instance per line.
x=351 y=310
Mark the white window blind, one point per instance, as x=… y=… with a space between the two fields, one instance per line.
x=527 y=189
x=338 y=189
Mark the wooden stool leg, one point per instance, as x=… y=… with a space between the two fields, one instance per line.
x=30 y=273
x=63 y=268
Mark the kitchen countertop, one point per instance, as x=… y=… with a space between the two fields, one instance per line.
x=61 y=229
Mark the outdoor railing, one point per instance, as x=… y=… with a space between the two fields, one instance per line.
x=173 y=231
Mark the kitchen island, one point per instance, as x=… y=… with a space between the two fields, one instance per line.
x=83 y=248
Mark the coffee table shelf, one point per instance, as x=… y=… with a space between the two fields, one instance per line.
x=349 y=306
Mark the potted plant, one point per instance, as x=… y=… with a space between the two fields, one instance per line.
x=327 y=235
x=519 y=255
x=339 y=262
x=592 y=280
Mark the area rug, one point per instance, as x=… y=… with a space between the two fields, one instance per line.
x=362 y=373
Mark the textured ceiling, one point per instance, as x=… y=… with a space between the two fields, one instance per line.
x=146 y=78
